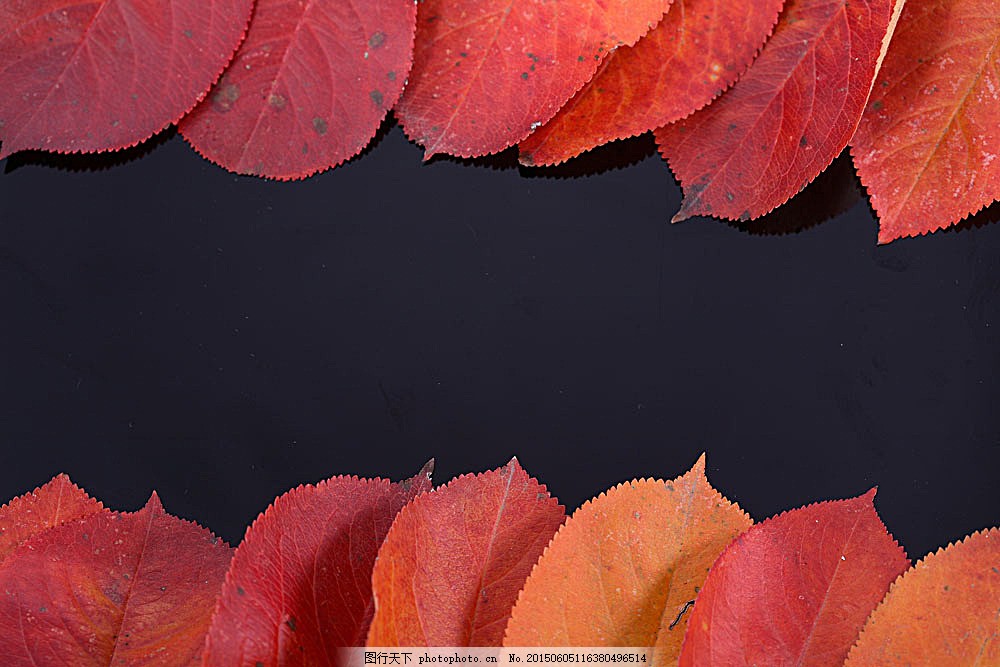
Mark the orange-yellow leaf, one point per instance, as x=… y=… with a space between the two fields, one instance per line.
x=624 y=569
x=697 y=51
x=58 y=501
x=928 y=143
x=454 y=560
x=943 y=611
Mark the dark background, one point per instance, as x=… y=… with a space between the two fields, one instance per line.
x=221 y=339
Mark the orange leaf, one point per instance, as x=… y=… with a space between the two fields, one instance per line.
x=111 y=589
x=794 y=589
x=486 y=72
x=299 y=586
x=453 y=562
x=59 y=501
x=787 y=118
x=943 y=611
x=927 y=146
x=698 y=50
x=624 y=568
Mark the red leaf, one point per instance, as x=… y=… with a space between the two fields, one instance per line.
x=60 y=501
x=787 y=118
x=795 y=589
x=698 y=50
x=111 y=589
x=453 y=563
x=300 y=583
x=927 y=145
x=487 y=72
x=943 y=611
x=308 y=88
x=107 y=74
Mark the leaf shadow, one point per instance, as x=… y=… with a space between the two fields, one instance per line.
x=89 y=162
x=985 y=216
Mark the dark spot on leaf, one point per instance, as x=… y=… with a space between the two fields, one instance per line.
x=240 y=591
x=524 y=75
x=532 y=56
x=877 y=105
x=391 y=76
x=42 y=610
x=188 y=34
x=319 y=125
x=114 y=595
x=291 y=623
x=730 y=196
x=376 y=96
x=579 y=59
x=225 y=96
x=464 y=54
x=803 y=142
x=744 y=216
x=305 y=149
x=376 y=40
x=278 y=102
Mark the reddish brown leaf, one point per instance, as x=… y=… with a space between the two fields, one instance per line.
x=795 y=589
x=107 y=74
x=455 y=559
x=698 y=50
x=927 y=145
x=487 y=72
x=624 y=568
x=111 y=589
x=944 y=611
x=59 y=501
x=308 y=88
x=787 y=118
x=300 y=583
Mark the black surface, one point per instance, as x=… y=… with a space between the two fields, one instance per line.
x=169 y=325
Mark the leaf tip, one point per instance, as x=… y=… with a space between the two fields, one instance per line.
x=154 y=503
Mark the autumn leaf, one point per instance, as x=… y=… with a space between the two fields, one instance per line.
x=57 y=502
x=299 y=587
x=111 y=589
x=487 y=72
x=927 y=145
x=455 y=559
x=105 y=75
x=626 y=566
x=787 y=118
x=308 y=88
x=794 y=589
x=698 y=50
x=943 y=611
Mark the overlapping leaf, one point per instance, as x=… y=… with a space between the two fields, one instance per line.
x=698 y=50
x=787 y=118
x=795 y=589
x=300 y=583
x=308 y=88
x=487 y=72
x=944 y=611
x=927 y=145
x=56 y=502
x=626 y=566
x=453 y=563
x=104 y=75
x=111 y=589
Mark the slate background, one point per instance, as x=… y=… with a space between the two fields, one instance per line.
x=221 y=339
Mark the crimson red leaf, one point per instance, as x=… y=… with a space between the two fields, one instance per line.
x=107 y=74
x=795 y=589
x=111 y=589
x=487 y=72
x=453 y=563
x=308 y=88
x=943 y=611
x=787 y=118
x=927 y=145
x=698 y=50
x=59 y=501
x=300 y=583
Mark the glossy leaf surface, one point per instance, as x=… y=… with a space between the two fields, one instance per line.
x=455 y=559
x=105 y=75
x=795 y=589
x=57 y=502
x=943 y=611
x=698 y=50
x=308 y=88
x=625 y=567
x=787 y=118
x=927 y=145
x=111 y=589
x=300 y=583
x=487 y=72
